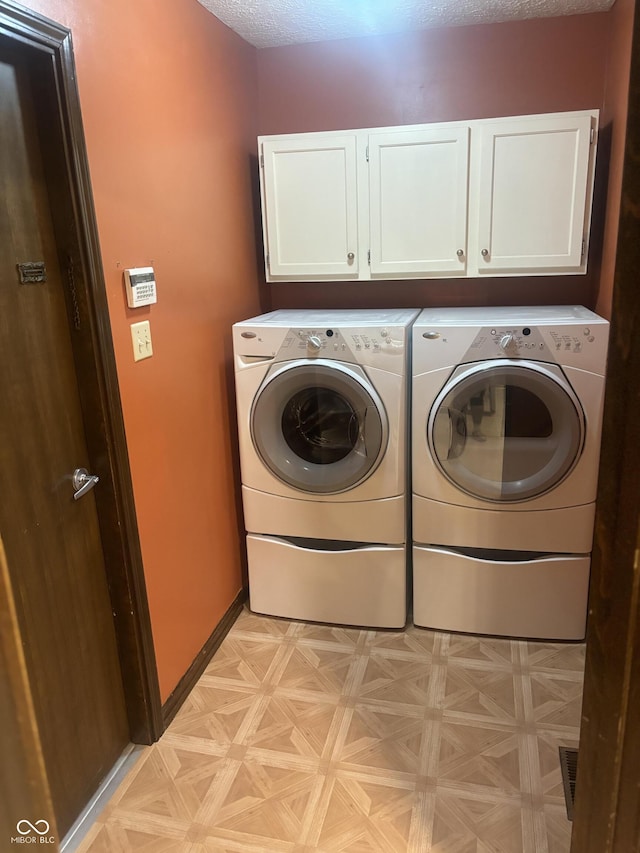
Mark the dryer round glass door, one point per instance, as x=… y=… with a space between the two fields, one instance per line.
x=506 y=431
x=319 y=427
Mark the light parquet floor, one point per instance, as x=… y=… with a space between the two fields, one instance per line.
x=303 y=738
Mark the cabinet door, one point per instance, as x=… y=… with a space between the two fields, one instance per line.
x=310 y=205
x=534 y=175
x=418 y=201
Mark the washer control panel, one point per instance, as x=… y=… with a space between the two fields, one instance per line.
x=317 y=341
x=344 y=344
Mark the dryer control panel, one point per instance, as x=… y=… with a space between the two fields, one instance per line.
x=580 y=345
x=508 y=342
x=556 y=345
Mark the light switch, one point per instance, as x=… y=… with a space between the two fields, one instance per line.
x=141 y=338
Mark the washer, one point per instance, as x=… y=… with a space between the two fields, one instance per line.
x=506 y=420
x=322 y=423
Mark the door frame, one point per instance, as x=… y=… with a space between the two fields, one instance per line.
x=49 y=47
x=607 y=804
x=24 y=789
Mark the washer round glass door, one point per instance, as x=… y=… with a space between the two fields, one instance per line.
x=319 y=427
x=506 y=431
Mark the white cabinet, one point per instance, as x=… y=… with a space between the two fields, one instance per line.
x=310 y=206
x=532 y=194
x=418 y=182
x=508 y=196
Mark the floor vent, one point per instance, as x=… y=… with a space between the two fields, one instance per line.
x=569 y=767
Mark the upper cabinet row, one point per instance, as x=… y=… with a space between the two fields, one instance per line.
x=508 y=196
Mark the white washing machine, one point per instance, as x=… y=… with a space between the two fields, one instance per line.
x=322 y=421
x=506 y=421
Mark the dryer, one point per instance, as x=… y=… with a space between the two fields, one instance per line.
x=507 y=410
x=322 y=424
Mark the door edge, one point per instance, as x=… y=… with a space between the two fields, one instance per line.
x=123 y=559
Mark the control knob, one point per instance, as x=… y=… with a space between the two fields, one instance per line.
x=506 y=340
x=314 y=343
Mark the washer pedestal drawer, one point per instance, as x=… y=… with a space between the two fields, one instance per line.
x=544 y=597
x=364 y=585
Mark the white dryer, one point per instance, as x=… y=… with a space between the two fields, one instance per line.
x=507 y=411
x=322 y=422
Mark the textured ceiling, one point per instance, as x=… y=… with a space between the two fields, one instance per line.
x=271 y=23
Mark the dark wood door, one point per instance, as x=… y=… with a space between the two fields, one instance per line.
x=52 y=541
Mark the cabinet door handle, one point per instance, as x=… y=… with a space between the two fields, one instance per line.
x=460 y=253
x=350 y=257
x=485 y=253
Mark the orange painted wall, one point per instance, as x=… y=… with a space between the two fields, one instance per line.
x=535 y=66
x=169 y=99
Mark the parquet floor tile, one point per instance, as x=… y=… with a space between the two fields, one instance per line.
x=305 y=738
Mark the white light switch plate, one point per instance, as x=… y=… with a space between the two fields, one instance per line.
x=141 y=338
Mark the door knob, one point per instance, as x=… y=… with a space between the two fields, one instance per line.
x=82 y=482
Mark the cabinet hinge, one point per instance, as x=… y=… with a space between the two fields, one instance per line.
x=369 y=256
x=367 y=153
x=268 y=260
x=582 y=250
x=593 y=136
x=262 y=161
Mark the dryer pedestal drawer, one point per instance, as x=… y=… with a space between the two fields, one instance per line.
x=363 y=586
x=543 y=598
